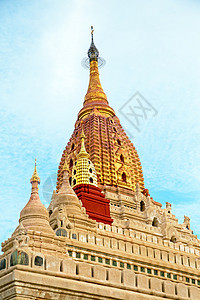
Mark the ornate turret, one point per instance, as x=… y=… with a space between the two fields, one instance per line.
x=34 y=215
x=83 y=171
x=114 y=157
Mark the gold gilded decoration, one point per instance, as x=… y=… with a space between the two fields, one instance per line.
x=83 y=171
x=35 y=177
x=114 y=157
x=95 y=93
x=83 y=153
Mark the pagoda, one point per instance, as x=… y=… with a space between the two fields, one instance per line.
x=103 y=236
x=116 y=161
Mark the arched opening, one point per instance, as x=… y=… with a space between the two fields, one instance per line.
x=70 y=180
x=2 y=264
x=118 y=142
x=61 y=232
x=114 y=129
x=187 y=227
x=71 y=163
x=74 y=172
x=122 y=158
x=38 y=261
x=74 y=236
x=124 y=177
x=74 y=181
x=50 y=212
x=91 y=180
x=90 y=170
x=72 y=148
x=142 y=206
x=155 y=222
x=173 y=239
x=18 y=258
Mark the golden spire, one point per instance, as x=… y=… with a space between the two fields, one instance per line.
x=35 y=177
x=95 y=93
x=83 y=153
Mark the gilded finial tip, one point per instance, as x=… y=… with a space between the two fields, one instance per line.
x=83 y=152
x=82 y=134
x=35 y=176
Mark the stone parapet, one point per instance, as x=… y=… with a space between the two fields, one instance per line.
x=77 y=278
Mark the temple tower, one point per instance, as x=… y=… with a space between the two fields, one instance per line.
x=102 y=236
x=114 y=157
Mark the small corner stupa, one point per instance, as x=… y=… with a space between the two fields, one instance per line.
x=33 y=238
x=34 y=216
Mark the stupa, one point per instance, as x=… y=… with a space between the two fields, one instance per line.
x=102 y=236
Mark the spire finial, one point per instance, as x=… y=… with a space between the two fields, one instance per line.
x=93 y=52
x=82 y=135
x=35 y=177
x=83 y=152
x=92 y=31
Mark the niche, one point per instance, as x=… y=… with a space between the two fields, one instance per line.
x=122 y=158
x=38 y=261
x=173 y=239
x=155 y=222
x=18 y=258
x=124 y=177
x=142 y=206
x=71 y=163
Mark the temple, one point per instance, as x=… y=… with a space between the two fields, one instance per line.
x=103 y=236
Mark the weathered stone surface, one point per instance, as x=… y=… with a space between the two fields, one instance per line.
x=128 y=278
x=114 y=276
x=84 y=269
x=169 y=287
x=142 y=281
x=99 y=272
x=52 y=263
x=194 y=293
x=156 y=284
x=182 y=290
x=69 y=266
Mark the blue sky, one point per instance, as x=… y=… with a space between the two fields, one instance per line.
x=150 y=46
